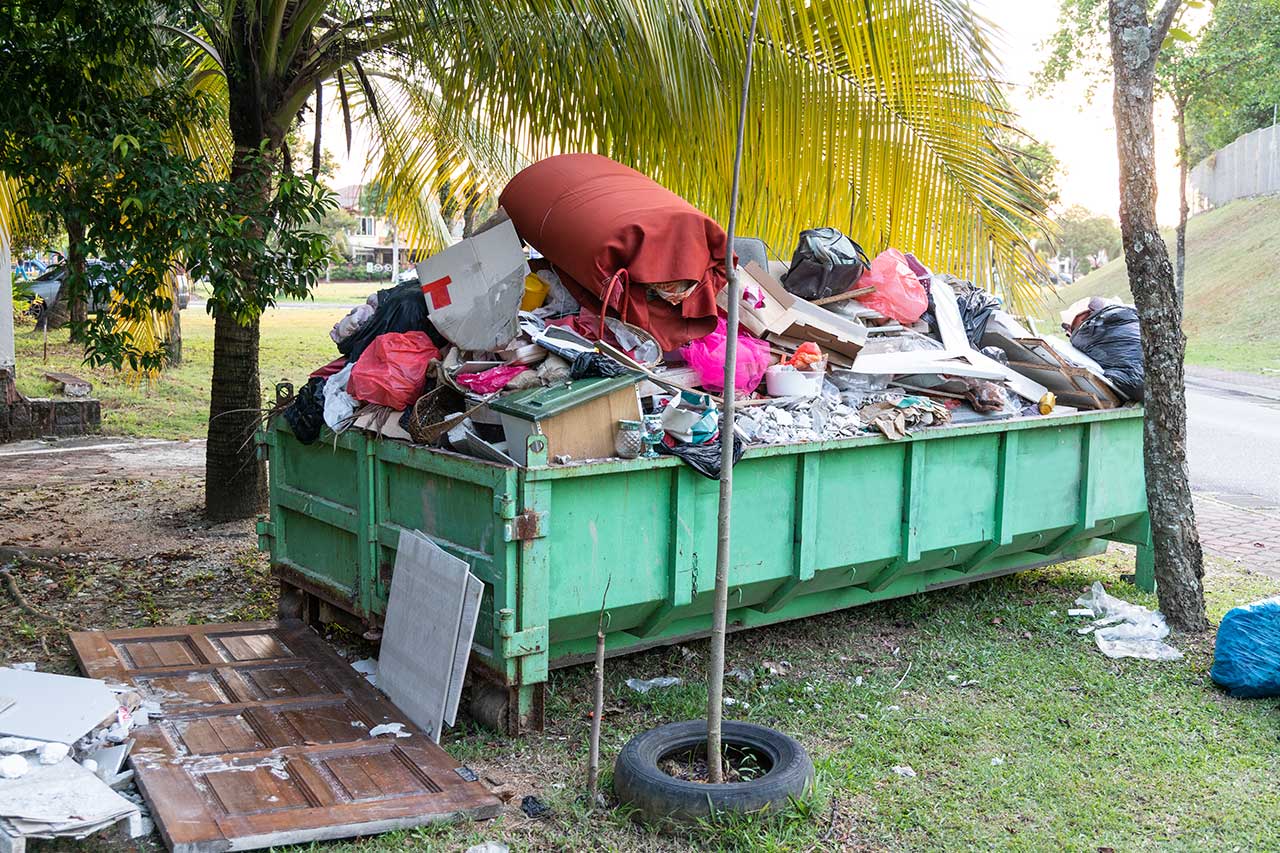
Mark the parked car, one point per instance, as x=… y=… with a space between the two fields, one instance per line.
x=48 y=286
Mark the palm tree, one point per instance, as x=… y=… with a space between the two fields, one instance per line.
x=880 y=117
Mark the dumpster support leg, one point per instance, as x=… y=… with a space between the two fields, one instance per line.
x=1145 y=570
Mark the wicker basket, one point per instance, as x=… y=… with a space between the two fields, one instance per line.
x=435 y=413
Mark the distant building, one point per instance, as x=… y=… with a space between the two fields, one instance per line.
x=373 y=238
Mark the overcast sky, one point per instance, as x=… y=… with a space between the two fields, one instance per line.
x=1081 y=133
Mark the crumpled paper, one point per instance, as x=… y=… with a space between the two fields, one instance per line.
x=896 y=419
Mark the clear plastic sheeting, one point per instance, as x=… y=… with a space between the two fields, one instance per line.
x=1127 y=630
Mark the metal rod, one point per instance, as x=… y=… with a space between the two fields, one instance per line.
x=720 y=611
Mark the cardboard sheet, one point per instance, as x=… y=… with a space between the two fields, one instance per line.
x=473 y=288
x=787 y=315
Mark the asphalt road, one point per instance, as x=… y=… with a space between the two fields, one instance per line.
x=1234 y=436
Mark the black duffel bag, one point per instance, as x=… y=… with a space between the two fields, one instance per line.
x=825 y=263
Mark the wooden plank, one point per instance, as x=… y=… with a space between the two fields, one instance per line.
x=263 y=739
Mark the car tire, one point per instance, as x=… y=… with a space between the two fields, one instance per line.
x=659 y=797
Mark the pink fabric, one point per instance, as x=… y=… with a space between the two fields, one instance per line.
x=491 y=380
x=706 y=355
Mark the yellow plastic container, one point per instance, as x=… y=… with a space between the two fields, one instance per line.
x=535 y=293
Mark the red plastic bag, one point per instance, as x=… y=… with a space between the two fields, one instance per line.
x=392 y=371
x=706 y=355
x=898 y=292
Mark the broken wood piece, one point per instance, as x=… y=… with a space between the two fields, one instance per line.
x=72 y=385
x=848 y=294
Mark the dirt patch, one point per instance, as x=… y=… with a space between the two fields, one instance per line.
x=110 y=534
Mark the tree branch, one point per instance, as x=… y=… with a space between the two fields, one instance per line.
x=1161 y=23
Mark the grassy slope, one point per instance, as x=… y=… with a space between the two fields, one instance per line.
x=294 y=342
x=1233 y=301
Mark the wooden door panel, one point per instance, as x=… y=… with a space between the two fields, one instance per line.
x=263 y=739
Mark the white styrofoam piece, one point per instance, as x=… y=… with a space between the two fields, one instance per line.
x=927 y=361
x=53 y=707
x=420 y=630
x=462 y=650
x=946 y=310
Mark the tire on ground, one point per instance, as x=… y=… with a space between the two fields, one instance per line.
x=658 y=796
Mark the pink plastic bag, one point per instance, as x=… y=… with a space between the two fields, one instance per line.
x=392 y=371
x=898 y=292
x=706 y=355
x=494 y=379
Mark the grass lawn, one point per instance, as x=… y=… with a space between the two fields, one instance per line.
x=294 y=342
x=1022 y=735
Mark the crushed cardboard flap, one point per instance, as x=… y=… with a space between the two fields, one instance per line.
x=473 y=288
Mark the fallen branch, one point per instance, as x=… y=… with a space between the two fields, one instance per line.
x=11 y=583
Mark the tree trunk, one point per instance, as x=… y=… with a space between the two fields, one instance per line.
x=1180 y=262
x=1179 y=566
x=74 y=287
x=173 y=346
x=235 y=480
x=317 y=140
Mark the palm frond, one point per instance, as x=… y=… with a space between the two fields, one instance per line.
x=422 y=150
x=879 y=117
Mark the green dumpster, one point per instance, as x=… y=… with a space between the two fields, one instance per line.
x=817 y=527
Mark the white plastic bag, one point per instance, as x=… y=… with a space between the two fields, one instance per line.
x=1127 y=630
x=339 y=406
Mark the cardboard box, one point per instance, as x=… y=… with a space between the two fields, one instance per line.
x=787 y=315
x=473 y=288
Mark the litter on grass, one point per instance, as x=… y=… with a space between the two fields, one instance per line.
x=640 y=686
x=1127 y=630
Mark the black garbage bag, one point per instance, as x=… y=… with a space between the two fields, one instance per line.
x=1112 y=337
x=590 y=364
x=400 y=309
x=976 y=308
x=825 y=263
x=703 y=458
x=305 y=415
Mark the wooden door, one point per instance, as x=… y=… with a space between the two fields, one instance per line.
x=264 y=739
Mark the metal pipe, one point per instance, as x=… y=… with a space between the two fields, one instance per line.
x=720 y=610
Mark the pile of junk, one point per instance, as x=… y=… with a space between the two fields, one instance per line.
x=589 y=313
